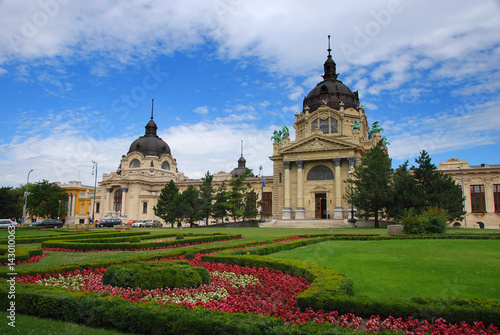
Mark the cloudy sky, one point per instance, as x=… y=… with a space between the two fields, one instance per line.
x=77 y=78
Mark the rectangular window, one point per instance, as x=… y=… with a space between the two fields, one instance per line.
x=267 y=197
x=97 y=207
x=477 y=198
x=144 y=207
x=496 y=197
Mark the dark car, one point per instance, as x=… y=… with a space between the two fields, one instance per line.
x=47 y=223
x=108 y=223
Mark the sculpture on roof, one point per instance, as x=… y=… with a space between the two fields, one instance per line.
x=374 y=129
x=356 y=125
x=277 y=137
x=285 y=131
x=384 y=141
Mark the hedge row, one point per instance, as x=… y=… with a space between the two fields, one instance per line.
x=106 y=311
x=22 y=254
x=143 y=236
x=71 y=236
x=142 y=245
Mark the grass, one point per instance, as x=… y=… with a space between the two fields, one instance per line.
x=26 y=324
x=403 y=269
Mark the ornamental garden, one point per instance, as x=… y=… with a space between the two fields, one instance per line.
x=249 y=281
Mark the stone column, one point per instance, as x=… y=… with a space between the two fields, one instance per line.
x=73 y=203
x=287 y=210
x=109 y=194
x=352 y=162
x=124 y=196
x=69 y=206
x=338 y=211
x=300 y=212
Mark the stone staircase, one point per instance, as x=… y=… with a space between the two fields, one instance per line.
x=306 y=224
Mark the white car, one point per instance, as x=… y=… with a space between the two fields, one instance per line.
x=139 y=224
x=7 y=223
x=147 y=224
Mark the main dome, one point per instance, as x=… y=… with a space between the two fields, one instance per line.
x=331 y=90
x=150 y=144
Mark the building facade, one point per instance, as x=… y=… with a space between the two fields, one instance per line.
x=309 y=173
x=79 y=204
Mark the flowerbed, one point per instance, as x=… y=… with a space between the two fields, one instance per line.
x=239 y=289
x=33 y=259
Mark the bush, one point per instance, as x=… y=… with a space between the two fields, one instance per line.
x=434 y=225
x=189 y=255
x=152 y=275
x=134 y=239
x=412 y=224
x=179 y=237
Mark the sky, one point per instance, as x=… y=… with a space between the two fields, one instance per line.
x=77 y=79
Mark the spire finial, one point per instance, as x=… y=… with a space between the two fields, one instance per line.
x=152 y=106
x=241 y=148
x=329 y=49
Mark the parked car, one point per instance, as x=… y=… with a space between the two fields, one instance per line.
x=108 y=223
x=7 y=223
x=153 y=223
x=138 y=224
x=130 y=222
x=47 y=223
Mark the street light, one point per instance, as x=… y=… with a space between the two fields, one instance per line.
x=26 y=197
x=352 y=219
x=94 y=172
x=463 y=196
x=261 y=194
x=59 y=211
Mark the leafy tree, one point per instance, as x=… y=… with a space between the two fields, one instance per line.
x=167 y=205
x=371 y=191
x=405 y=193
x=206 y=195
x=250 y=211
x=190 y=205
x=437 y=189
x=43 y=199
x=11 y=202
x=235 y=196
x=219 y=209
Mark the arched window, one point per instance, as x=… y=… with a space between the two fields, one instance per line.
x=117 y=207
x=135 y=164
x=320 y=172
x=165 y=165
x=327 y=126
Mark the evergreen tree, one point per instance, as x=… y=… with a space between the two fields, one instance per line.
x=190 y=205
x=235 y=196
x=250 y=211
x=437 y=189
x=405 y=193
x=167 y=205
x=43 y=199
x=11 y=202
x=371 y=191
x=219 y=209
x=206 y=195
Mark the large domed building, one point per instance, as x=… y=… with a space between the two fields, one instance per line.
x=331 y=134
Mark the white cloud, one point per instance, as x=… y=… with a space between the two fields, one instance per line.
x=201 y=110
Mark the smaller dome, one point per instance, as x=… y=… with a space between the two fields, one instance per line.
x=150 y=144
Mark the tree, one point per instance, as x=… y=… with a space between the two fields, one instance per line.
x=190 y=205
x=44 y=197
x=250 y=211
x=206 y=195
x=405 y=193
x=167 y=205
x=11 y=202
x=371 y=192
x=437 y=189
x=235 y=196
x=219 y=208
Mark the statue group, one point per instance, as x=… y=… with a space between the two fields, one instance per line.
x=279 y=135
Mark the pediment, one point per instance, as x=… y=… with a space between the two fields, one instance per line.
x=318 y=143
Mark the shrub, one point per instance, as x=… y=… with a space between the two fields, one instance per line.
x=434 y=224
x=134 y=239
x=412 y=224
x=435 y=212
x=189 y=255
x=152 y=275
x=179 y=237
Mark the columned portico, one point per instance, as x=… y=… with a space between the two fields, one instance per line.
x=338 y=212
x=287 y=210
x=300 y=212
x=124 y=196
x=109 y=195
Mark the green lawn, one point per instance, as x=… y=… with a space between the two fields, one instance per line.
x=402 y=269
x=26 y=324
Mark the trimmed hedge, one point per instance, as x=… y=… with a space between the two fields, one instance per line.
x=22 y=254
x=106 y=311
x=125 y=245
x=73 y=237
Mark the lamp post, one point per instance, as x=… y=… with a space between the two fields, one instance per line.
x=26 y=197
x=59 y=210
x=463 y=196
x=352 y=219
x=94 y=172
x=261 y=194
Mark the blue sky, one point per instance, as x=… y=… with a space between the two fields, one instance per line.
x=77 y=79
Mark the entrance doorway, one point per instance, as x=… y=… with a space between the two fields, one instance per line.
x=320 y=205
